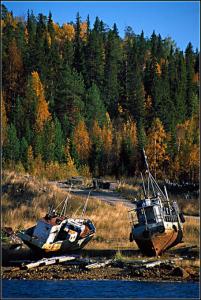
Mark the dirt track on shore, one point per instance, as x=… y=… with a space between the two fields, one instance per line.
x=111 y=197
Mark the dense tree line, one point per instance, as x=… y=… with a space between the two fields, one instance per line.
x=79 y=97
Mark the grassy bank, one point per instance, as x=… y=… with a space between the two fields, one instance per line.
x=25 y=199
x=131 y=189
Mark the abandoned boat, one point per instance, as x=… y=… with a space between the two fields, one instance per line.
x=156 y=223
x=56 y=232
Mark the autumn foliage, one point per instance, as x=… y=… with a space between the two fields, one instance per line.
x=42 y=112
x=79 y=99
x=81 y=141
x=156 y=149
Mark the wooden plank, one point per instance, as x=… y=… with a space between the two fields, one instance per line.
x=138 y=262
x=50 y=261
x=33 y=265
x=99 y=265
x=153 y=264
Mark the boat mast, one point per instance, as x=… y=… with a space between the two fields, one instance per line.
x=149 y=174
x=63 y=210
x=154 y=184
x=85 y=206
x=144 y=190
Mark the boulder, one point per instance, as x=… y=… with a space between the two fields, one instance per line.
x=180 y=272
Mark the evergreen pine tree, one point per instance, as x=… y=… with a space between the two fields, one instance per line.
x=112 y=68
x=135 y=88
x=39 y=47
x=78 y=53
x=23 y=151
x=180 y=93
x=11 y=148
x=49 y=147
x=94 y=107
x=95 y=58
x=59 y=142
x=189 y=57
x=68 y=97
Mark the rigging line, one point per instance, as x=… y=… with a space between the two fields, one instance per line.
x=144 y=190
x=157 y=186
x=85 y=206
x=154 y=193
x=76 y=211
x=64 y=199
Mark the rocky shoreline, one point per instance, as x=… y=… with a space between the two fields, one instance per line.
x=65 y=272
x=167 y=268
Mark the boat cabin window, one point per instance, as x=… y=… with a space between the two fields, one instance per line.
x=150 y=214
x=157 y=211
x=166 y=210
x=140 y=216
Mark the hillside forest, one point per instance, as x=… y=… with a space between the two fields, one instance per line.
x=78 y=99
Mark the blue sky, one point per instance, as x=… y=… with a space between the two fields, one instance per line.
x=179 y=20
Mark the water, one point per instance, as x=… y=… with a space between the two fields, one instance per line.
x=98 y=289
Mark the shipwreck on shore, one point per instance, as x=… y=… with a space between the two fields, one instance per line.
x=56 y=232
x=156 y=223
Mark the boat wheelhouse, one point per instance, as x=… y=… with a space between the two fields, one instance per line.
x=156 y=223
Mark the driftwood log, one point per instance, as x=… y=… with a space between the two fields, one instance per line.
x=50 y=261
x=99 y=264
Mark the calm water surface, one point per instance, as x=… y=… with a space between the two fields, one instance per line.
x=97 y=289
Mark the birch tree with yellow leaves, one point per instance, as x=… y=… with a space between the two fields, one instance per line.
x=188 y=150
x=81 y=141
x=42 y=111
x=156 y=148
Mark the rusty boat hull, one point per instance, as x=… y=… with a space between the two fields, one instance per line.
x=157 y=243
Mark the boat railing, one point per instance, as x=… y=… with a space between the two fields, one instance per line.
x=170 y=218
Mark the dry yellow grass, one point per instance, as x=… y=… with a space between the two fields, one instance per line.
x=113 y=227
x=188 y=263
x=129 y=191
x=189 y=207
x=25 y=199
x=192 y=231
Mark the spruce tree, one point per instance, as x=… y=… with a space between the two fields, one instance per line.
x=68 y=97
x=112 y=69
x=94 y=107
x=11 y=149
x=135 y=88
x=30 y=61
x=78 y=46
x=180 y=93
x=164 y=103
x=95 y=59
x=40 y=44
x=141 y=50
x=23 y=151
x=49 y=148
x=59 y=142
x=189 y=57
